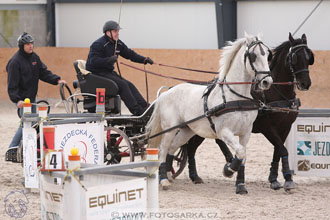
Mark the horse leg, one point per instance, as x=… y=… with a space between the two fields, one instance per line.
x=240 y=178
x=288 y=184
x=280 y=151
x=163 y=152
x=225 y=150
x=239 y=148
x=192 y=146
x=274 y=184
x=240 y=181
x=175 y=138
x=169 y=163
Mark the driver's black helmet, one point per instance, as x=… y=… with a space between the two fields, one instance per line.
x=110 y=25
x=24 y=38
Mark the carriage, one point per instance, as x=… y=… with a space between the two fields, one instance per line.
x=124 y=134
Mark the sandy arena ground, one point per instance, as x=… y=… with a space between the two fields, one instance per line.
x=216 y=199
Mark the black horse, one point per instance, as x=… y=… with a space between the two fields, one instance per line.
x=289 y=64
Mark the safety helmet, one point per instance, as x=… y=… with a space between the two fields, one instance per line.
x=24 y=38
x=110 y=25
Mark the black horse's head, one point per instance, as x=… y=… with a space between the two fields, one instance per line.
x=298 y=58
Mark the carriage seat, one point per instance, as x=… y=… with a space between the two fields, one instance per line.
x=89 y=82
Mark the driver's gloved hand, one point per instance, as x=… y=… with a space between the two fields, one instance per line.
x=113 y=59
x=148 y=60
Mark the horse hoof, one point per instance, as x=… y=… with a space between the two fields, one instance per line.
x=289 y=185
x=197 y=180
x=275 y=185
x=240 y=189
x=165 y=184
x=170 y=177
x=226 y=172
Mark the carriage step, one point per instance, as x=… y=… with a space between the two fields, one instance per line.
x=14 y=154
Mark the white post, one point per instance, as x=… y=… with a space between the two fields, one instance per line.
x=152 y=183
x=72 y=188
x=42 y=111
x=26 y=110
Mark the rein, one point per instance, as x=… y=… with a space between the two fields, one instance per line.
x=188 y=69
x=197 y=81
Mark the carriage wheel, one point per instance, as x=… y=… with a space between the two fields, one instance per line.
x=65 y=93
x=118 y=147
x=179 y=162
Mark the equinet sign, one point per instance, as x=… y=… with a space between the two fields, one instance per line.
x=115 y=198
x=308 y=128
x=306 y=165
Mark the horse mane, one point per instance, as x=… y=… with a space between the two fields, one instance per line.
x=227 y=56
x=280 y=49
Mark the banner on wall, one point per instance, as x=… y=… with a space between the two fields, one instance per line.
x=88 y=138
x=309 y=146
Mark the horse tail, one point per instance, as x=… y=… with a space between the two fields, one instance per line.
x=153 y=127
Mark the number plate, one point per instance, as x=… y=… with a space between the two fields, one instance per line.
x=53 y=161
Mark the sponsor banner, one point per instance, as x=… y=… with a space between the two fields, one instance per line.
x=114 y=201
x=30 y=158
x=88 y=138
x=309 y=146
x=52 y=200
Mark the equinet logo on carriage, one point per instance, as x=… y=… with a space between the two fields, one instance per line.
x=306 y=165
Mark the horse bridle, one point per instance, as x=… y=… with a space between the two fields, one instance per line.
x=252 y=58
x=292 y=58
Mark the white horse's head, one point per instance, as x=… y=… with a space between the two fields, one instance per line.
x=256 y=58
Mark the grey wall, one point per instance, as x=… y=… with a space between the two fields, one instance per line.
x=275 y=19
x=170 y=25
x=15 y=19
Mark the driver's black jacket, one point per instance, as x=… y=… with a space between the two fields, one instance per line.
x=102 y=49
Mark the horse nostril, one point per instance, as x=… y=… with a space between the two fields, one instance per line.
x=265 y=84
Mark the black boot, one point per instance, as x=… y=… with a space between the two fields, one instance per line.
x=240 y=181
x=274 y=184
x=193 y=172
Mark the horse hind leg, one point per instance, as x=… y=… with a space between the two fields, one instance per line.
x=192 y=146
x=172 y=140
x=164 y=148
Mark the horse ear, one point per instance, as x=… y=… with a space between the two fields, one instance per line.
x=260 y=35
x=247 y=38
x=311 y=58
x=304 y=38
x=291 y=38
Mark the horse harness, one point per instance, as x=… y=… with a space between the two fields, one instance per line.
x=241 y=105
x=292 y=58
x=226 y=107
x=251 y=56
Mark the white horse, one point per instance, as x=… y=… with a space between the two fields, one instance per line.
x=244 y=60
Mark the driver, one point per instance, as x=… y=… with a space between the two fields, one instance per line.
x=101 y=59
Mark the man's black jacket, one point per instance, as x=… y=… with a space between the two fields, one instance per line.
x=102 y=49
x=24 y=72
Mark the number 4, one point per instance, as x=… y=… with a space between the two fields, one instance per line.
x=53 y=161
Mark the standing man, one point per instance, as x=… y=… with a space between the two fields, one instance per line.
x=101 y=59
x=24 y=71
